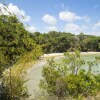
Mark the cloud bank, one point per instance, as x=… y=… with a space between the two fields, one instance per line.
x=71 y=16
x=14 y=10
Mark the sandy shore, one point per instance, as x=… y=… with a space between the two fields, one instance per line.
x=89 y=53
x=61 y=54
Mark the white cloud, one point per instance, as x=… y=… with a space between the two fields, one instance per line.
x=3 y=9
x=97 y=24
x=71 y=27
x=49 y=19
x=31 y=29
x=84 y=27
x=70 y=16
x=51 y=28
x=14 y=10
x=74 y=28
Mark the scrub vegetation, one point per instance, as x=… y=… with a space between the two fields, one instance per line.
x=66 y=80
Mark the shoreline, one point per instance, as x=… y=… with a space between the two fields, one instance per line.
x=90 y=52
x=61 y=54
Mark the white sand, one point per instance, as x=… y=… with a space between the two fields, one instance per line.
x=61 y=54
x=90 y=52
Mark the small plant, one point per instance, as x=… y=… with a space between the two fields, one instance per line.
x=12 y=87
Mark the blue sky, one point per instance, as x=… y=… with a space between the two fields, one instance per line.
x=61 y=15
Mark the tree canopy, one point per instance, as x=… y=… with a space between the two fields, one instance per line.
x=53 y=42
x=14 y=41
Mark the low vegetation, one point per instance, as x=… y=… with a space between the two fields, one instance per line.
x=69 y=79
x=13 y=86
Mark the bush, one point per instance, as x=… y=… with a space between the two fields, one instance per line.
x=69 y=79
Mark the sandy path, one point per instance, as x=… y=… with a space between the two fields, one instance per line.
x=34 y=74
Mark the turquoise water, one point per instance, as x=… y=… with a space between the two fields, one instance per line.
x=91 y=57
x=86 y=58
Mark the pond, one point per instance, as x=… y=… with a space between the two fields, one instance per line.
x=86 y=58
x=91 y=57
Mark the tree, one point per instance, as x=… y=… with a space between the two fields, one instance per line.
x=15 y=41
x=16 y=49
x=69 y=78
x=61 y=41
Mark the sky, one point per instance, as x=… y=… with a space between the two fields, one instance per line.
x=74 y=16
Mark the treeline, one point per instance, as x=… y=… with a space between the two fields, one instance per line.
x=53 y=41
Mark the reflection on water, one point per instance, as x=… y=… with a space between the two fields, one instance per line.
x=91 y=57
